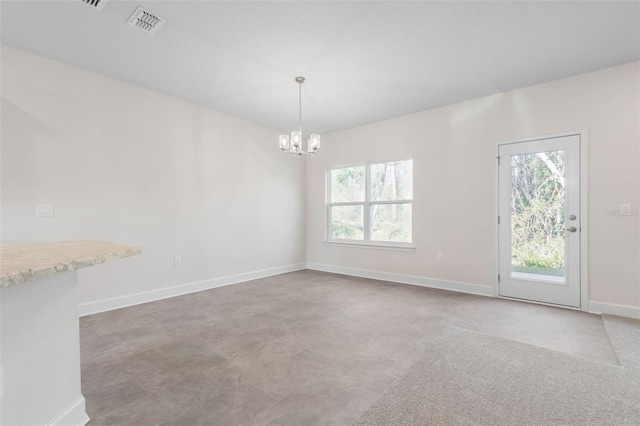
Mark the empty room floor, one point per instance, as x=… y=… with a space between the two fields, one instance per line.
x=304 y=348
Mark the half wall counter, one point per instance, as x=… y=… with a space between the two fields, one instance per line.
x=39 y=329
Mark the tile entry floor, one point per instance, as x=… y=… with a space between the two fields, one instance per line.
x=304 y=348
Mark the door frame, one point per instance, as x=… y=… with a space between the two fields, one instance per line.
x=583 y=135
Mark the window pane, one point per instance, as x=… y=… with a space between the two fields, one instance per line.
x=347 y=185
x=392 y=181
x=391 y=222
x=347 y=222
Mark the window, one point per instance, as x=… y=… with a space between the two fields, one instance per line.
x=371 y=203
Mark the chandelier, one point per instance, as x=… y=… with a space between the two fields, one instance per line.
x=293 y=145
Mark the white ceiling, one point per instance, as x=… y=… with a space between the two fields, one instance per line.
x=364 y=61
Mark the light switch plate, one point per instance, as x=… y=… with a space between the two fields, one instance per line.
x=44 y=210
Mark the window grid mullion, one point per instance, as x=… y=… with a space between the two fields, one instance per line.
x=367 y=195
x=348 y=203
x=328 y=222
x=392 y=202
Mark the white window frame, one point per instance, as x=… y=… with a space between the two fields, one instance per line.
x=366 y=241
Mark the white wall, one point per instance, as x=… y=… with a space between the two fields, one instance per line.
x=453 y=151
x=121 y=163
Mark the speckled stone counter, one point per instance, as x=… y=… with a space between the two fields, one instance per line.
x=39 y=336
x=29 y=261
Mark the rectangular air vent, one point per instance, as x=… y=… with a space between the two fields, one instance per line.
x=96 y=4
x=146 y=21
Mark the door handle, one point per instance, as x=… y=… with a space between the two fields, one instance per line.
x=572 y=229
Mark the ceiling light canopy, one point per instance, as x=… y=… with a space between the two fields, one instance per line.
x=293 y=145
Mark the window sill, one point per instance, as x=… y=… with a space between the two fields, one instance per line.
x=377 y=246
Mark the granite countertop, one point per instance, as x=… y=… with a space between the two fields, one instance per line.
x=30 y=261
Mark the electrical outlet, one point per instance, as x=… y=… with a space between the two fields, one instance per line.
x=177 y=261
x=625 y=209
x=440 y=257
x=44 y=210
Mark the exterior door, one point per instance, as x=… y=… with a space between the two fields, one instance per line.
x=539 y=220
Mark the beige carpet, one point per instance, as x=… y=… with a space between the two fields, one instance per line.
x=624 y=335
x=469 y=378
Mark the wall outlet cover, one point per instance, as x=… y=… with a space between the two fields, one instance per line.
x=625 y=209
x=44 y=210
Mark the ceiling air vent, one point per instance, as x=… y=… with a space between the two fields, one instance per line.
x=146 y=21
x=96 y=4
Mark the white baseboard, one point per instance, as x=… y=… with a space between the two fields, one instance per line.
x=481 y=290
x=164 y=293
x=98 y=306
x=74 y=415
x=612 y=309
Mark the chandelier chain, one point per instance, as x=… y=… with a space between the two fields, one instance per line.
x=300 y=105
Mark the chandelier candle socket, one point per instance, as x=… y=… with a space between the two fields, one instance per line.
x=293 y=145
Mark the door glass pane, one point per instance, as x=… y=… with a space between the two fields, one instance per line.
x=537 y=215
x=347 y=185
x=391 y=222
x=347 y=222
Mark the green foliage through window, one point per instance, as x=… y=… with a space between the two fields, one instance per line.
x=537 y=213
x=347 y=223
x=347 y=184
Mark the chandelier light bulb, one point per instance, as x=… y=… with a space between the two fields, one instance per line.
x=284 y=142
x=314 y=143
x=296 y=137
